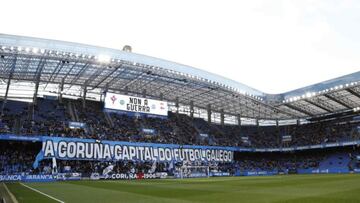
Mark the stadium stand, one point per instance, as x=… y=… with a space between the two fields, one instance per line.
x=52 y=120
x=309 y=130
x=177 y=129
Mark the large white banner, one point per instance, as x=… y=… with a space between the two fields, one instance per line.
x=135 y=104
x=72 y=149
x=87 y=149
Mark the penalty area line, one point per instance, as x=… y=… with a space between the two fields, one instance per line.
x=33 y=189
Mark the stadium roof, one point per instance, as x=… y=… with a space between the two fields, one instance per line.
x=51 y=62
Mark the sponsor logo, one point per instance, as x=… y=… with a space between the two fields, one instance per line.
x=113 y=99
x=161 y=175
x=27 y=178
x=10 y=177
x=69 y=176
x=220 y=174
x=95 y=176
x=39 y=177
x=129 y=176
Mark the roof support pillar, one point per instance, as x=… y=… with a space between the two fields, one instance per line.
x=192 y=109
x=239 y=120
x=209 y=113
x=161 y=96
x=144 y=93
x=105 y=90
x=61 y=90
x=222 y=117
x=84 y=96
x=278 y=133
x=38 y=75
x=126 y=90
x=6 y=94
x=8 y=86
x=36 y=92
x=177 y=104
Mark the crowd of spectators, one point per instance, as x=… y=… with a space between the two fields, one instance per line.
x=280 y=162
x=52 y=118
x=16 y=157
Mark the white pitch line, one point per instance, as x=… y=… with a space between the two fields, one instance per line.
x=12 y=197
x=42 y=193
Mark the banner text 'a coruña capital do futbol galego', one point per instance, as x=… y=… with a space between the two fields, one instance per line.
x=87 y=149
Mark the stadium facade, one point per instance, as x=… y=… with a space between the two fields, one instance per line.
x=48 y=84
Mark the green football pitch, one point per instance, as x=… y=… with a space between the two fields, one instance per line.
x=292 y=188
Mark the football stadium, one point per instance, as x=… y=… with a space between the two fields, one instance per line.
x=81 y=123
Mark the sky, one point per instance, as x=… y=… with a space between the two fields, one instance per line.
x=271 y=45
